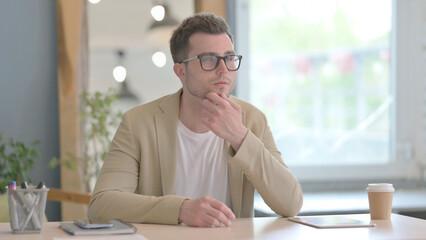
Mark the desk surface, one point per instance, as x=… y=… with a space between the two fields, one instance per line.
x=400 y=227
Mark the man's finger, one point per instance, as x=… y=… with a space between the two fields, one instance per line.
x=216 y=99
x=219 y=216
x=205 y=220
x=230 y=102
x=222 y=208
x=208 y=105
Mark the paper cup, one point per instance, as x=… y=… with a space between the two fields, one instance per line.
x=380 y=197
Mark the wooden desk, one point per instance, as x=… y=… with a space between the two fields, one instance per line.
x=400 y=227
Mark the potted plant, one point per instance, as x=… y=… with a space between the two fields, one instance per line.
x=100 y=120
x=16 y=162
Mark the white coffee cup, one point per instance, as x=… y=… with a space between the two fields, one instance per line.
x=380 y=197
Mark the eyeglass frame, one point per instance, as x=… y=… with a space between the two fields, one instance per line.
x=218 y=58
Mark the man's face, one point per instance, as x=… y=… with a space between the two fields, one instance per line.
x=199 y=82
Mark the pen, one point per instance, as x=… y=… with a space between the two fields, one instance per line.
x=13 y=208
x=31 y=204
x=41 y=185
x=24 y=185
x=16 y=195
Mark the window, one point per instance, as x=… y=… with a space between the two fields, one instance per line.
x=334 y=81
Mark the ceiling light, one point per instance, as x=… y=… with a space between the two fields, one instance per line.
x=158 y=12
x=166 y=21
x=159 y=59
x=94 y=1
x=119 y=73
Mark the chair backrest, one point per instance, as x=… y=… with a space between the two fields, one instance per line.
x=60 y=195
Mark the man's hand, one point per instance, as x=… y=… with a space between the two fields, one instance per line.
x=223 y=117
x=205 y=212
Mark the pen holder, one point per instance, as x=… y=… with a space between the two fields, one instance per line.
x=26 y=209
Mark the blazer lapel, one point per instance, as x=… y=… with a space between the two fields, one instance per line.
x=166 y=128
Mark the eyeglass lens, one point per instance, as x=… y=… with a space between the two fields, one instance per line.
x=210 y=62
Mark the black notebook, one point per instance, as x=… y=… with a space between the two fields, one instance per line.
x=119 y=227
x=334 y=221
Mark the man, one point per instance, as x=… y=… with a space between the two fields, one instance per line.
x=195 y=156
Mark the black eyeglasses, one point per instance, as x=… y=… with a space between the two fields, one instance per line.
x=210 y=62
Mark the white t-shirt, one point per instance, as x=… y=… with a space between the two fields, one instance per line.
x=201 y=167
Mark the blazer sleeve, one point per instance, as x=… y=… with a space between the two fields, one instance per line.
x=261 y=162
x=116 y=196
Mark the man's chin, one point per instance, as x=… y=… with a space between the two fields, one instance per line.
x=221 y=90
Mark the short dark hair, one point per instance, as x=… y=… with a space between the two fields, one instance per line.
x=201 y=22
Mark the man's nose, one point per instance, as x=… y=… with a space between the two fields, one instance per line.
x=222 y=66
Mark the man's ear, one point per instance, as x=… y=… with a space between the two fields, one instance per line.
x=179 y=70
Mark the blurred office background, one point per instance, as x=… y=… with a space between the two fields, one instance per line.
x=341 y=82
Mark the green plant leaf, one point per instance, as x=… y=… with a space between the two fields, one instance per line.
x=16 y=160
x=98 y=118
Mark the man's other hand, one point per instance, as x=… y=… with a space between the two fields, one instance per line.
x=205 y=212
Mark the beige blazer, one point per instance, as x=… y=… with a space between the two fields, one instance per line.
x=137 y=179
